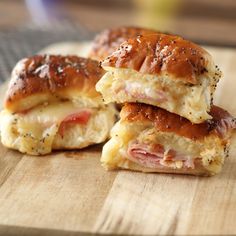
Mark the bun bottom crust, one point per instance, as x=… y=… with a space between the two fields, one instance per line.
x=129 y=165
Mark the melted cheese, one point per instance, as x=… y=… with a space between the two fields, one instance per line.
x=50 y=113
x=126 y=85
x=114 y=153
x=35 y=132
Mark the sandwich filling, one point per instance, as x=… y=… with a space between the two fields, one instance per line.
x=188 y=100
x=153 y=156
x=56 y=125
x=152 y=149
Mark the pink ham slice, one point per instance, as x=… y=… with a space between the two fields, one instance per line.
x=81 y=117
x=132 y=89
x=225 y=125
x=159 y=96
x=153 y=156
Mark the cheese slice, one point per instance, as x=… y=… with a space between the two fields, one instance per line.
x=50 y=113
x=33 y=132
x=127 y=85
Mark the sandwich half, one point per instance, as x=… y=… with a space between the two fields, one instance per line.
x=51 y=103
x=151 y=139
x=106 y=42
x=162 y=70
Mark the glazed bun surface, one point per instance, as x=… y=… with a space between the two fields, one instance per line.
x=159 y=54
x=47 y=78
x=109 y=40
x=220 y=124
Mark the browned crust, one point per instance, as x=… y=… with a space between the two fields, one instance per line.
x=221 y=123
x=109 y=40
x=162 y=54
x=44 y=74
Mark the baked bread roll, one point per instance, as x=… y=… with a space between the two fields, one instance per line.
x=51 y=103
x=109 y=40
x=162 y=70
x=151 y=139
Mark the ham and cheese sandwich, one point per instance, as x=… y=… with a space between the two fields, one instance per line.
x=51 y=103
x=106 y=42
x=162 y=70
x=151 y=139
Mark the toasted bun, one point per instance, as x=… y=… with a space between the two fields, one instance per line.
x=40 y=79
x=220 y=125
x=109 y=40
x=162 y=54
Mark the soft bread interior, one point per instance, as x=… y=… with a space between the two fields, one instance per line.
x=187 y=100
x=210 y=150
x=36 y=132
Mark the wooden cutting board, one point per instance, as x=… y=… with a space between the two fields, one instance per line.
x=68 y=193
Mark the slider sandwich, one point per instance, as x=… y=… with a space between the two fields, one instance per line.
x=109 y=40
x=151 y=139
x=51 y=103
x=162 y=70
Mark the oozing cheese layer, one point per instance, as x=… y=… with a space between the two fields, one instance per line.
x=189 y=101
x=36 y=131
x=209 y=150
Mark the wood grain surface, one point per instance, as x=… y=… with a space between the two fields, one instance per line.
x=69 y=193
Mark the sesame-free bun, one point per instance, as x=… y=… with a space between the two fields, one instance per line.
x=150 y=139
x=46 y=78
x=159 y=54
x=161 y=70
x=106 y=42
x=168 y=122
x=51 y=103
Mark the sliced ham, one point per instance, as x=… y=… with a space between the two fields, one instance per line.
x=226 y=125
x=80 y=117
x=137 y=91
x=154 y=156
x=141 y=154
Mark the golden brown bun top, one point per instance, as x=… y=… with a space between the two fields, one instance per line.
x=163 y=54
x=52 y=75
x=221 y=124
x=109 y=40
